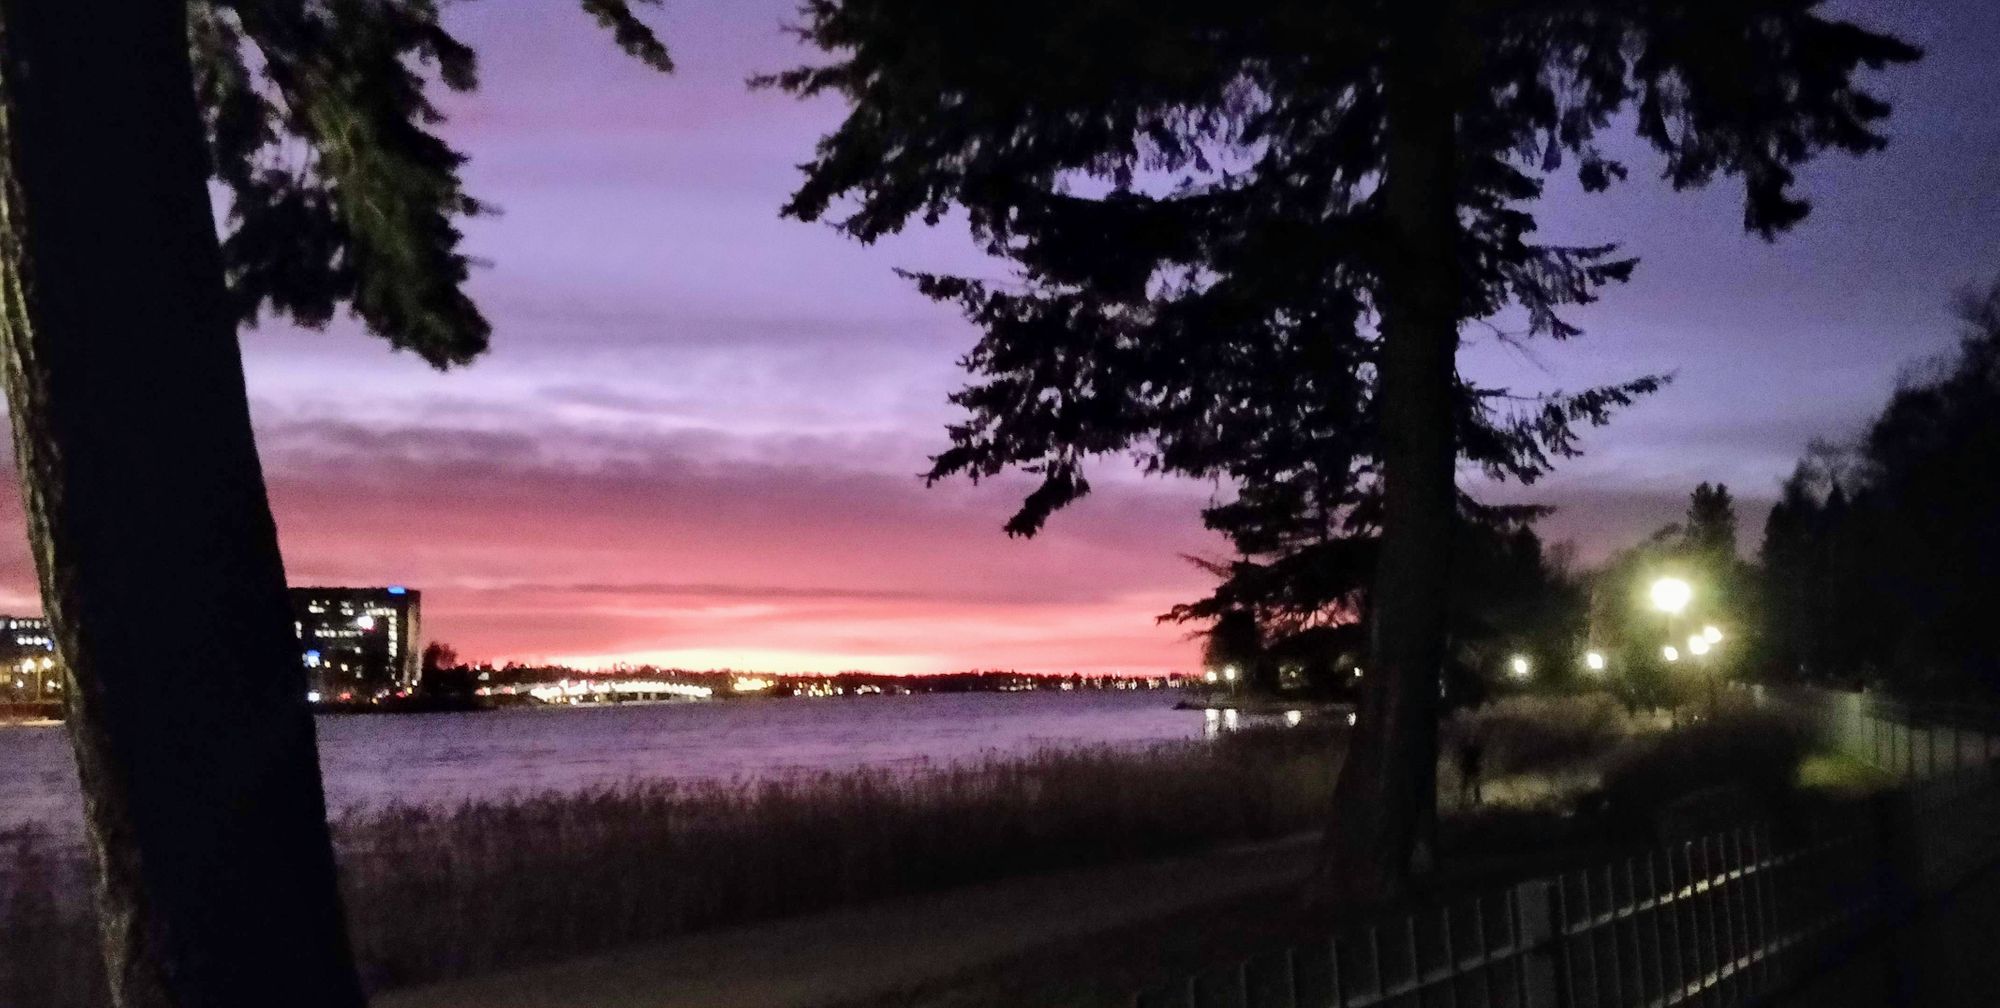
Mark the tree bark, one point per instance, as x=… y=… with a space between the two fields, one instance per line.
x=1386 y=799
x=153 y=540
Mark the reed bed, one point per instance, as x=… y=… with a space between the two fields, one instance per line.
x=434 y=892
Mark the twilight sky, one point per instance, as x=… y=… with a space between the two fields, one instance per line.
x=696 y=438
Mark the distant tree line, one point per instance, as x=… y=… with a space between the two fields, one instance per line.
x=1881 y=559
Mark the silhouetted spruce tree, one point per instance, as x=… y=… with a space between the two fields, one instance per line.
x=1196 y=193
x=1790 y=570
x=1235 y=641
x=145 y=502
x=1711 y=522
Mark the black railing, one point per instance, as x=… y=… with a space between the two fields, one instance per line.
x=1731 y=918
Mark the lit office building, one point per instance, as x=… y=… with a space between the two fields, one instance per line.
x=357 y=643
x=28 y=667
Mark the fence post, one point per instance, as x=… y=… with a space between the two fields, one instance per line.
x=1536 y=929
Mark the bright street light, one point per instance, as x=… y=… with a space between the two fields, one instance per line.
x=1711 y=634
x=1593 y=660
x=1229 y=673
x=1519 y=666
x=1697 y=645
x=1671 y=595
x=1670 y=653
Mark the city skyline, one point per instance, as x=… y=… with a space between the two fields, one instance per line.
x=724 y=412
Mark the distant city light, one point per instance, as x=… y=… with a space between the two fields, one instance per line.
x=1293 y=717
x=365 y=622
x=578 y=691
x=1670 y=653
x=1594 y=660
x=1711 y=634
x=312 y=696
x=398 y=590
x=1351 y=716
x=1697 y=645
x=1518 y=665
x=1671 y=594
x=1208 y=676
x=1229 y=672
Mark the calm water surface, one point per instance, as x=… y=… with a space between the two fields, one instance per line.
x=369 y=760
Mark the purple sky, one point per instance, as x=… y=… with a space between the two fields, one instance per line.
x=696 y=436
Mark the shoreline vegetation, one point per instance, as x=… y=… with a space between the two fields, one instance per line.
x=440 y=892
x=435 y=893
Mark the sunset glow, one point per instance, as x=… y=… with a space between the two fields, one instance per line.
x=696 y=438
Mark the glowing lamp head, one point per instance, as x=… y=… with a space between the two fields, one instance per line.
x=1670 y=653
x=1518 y=665
x=1229 y=673
x=1594 y=661
x=1671 y=594
x=1697 y=645
x=1711 y=635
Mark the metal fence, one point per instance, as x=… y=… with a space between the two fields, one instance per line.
x=1907 y=740
x=1723 y=919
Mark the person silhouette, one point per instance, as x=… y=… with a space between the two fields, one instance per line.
x=1469 y=755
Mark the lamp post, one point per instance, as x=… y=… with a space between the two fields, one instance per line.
x=1699 y=645
x=1671 y=596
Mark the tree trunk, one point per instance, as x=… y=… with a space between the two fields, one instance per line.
x=1385 y=802
x=153 y=540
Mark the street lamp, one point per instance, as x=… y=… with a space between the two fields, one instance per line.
x=1671 y=595
x=1519 y=666
x=1698 y=645
x=1711 y=634
x=1593 y=660
x=1670 y=653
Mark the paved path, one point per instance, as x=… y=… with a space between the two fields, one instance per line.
x=1943 y=958
x=868 y=951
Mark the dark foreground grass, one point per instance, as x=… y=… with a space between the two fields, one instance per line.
x=435 y=893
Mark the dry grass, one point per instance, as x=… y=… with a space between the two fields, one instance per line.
x=1538 y=752
x=434 y=893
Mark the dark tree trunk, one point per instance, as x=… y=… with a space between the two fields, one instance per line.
x=154 y=543
x=1385 y=802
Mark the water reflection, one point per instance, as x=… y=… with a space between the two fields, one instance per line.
x=1217 y=720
